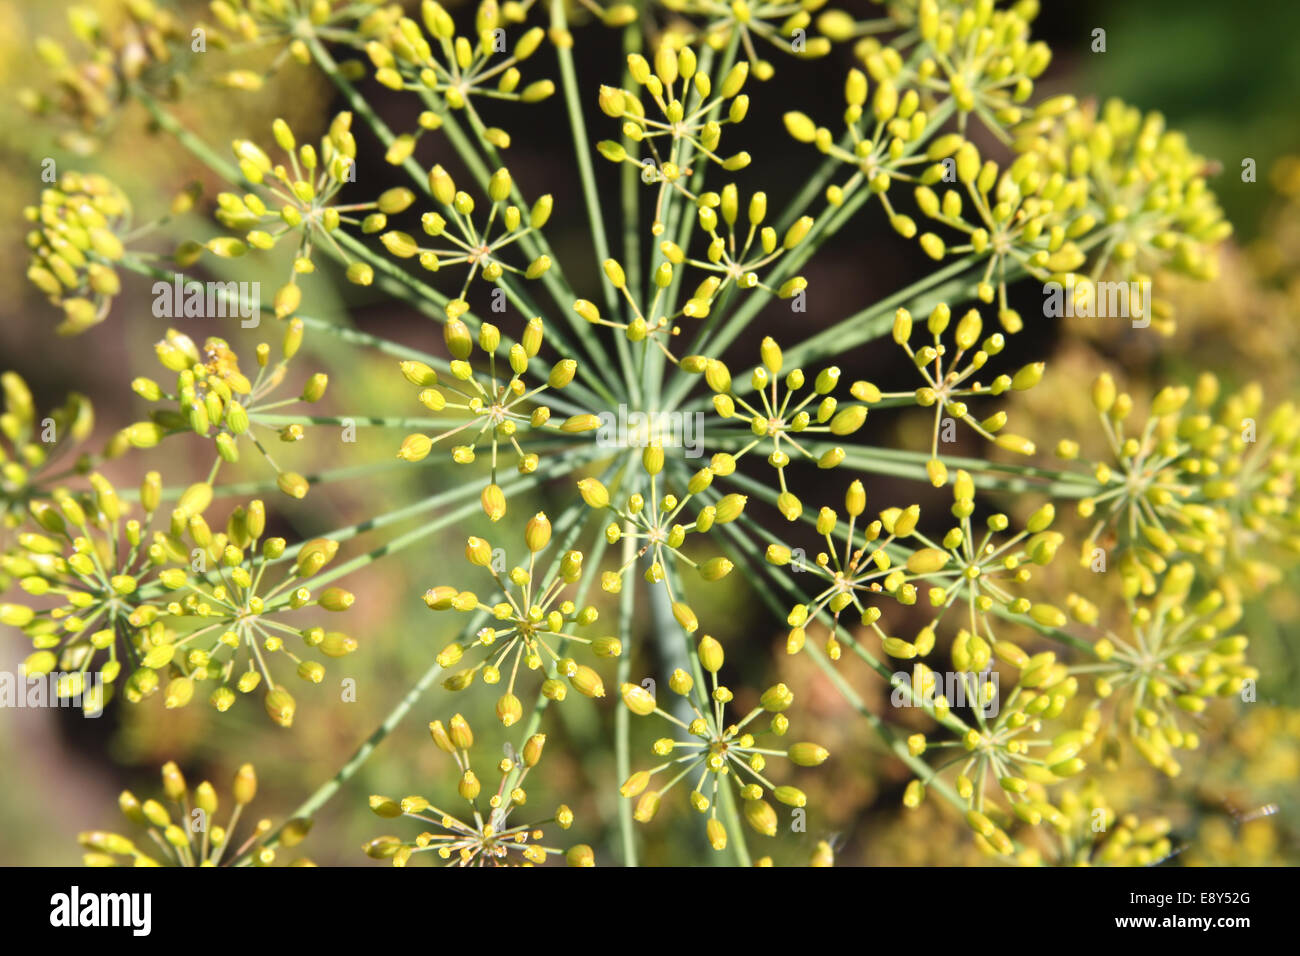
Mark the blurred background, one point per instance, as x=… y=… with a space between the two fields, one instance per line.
x=1226 y=74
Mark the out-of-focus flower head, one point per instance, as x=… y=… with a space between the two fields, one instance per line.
x=1202 y=478
x=1006 y=757
x=132 y=45
x=1178 y=653
x=1087 y=831
x=31 y=447
x=1146 y=189
x=78 y=236
x=533 y=625
x=485 y=836
x=192 y=837
x=91 y=571
x=709 y=750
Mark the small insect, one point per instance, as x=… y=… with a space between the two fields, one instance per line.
x=1267 y=810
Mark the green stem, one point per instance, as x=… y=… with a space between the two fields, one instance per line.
x=582 y=152
x=322 y=795
x=622 y=716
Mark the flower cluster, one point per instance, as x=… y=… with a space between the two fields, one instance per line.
x=224 y=604
x=486 y=837
x=497 y=408
x=1004 y=757
x=948 y=384
x=1173 y=659
x=782 y=24
x=779 y=417
x=1091 y=833
x=301 y=200
x=652 y=519
x=685 y=97
x=716 y=753
x=214 y=399
x=91 y=569
x=76 y=243
x=534 y=625
x=154 y=599
x=1203 y=477
x=1147 y=191
x=963 y=572
x=192 y=837
x=31 y=448
x=474 y=247
x=132 y=48
x=449 y=70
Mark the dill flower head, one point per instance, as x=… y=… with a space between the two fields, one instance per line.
x=882 y=143
x=301 y=200
x=495 y=409
x=461 y=243
x=91 y=569
x=1146 y=189
x=712 y=752
x=448 y=69
x=131 y=45
x=1178 y=653
x=965 y=574
x=213 y=398
x=245 y=27
x=1024 y=219
x=1005 y=755
x=780 y=418
x=485 y=836
x=1087 y=831
x=532 y=624
x=188 y=834
x=684 y=95
x=77 y=240
x=652 y=521
x=949 y=384
x=32 y=449
x=781 y=24
x=226 y=616
x=978 y=56
x=1207 y=477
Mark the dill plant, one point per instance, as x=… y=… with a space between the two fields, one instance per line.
x=934 y=134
